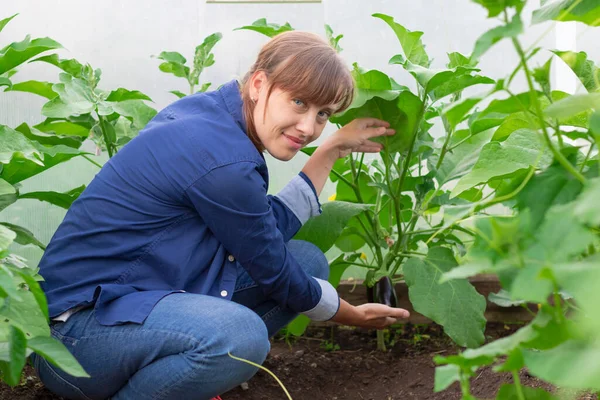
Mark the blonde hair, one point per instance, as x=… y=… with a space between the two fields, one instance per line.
x=305 y=65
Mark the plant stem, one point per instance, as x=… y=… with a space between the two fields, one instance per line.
x=381 y=341
x=518 y=387
x=341 y=178
x=587 y=157
x=446 y=142
x=92 y=161
x=557 y=154
x=109 y=144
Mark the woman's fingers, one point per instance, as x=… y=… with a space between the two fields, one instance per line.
x=380 y=131
x=374 y=122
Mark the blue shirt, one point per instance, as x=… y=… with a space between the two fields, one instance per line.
x=174 y=211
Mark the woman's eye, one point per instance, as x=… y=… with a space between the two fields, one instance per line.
x=298 y=102
x=324 y=115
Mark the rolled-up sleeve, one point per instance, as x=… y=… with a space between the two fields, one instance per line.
x=232 y=201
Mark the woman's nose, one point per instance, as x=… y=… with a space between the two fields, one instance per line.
x=306 y=126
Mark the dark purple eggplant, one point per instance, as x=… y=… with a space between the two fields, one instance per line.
x=383 y=292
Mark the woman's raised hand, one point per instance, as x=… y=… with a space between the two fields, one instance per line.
x=356 y=136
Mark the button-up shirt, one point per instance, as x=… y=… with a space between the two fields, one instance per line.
x=175 y=210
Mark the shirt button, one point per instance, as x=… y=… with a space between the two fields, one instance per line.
x=223 y=293
x=231 y=258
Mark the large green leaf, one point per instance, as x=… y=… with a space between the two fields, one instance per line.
x=323 y=230
x=266 y=28
x=5 y=82
x=48 y=139
x=511 y=392
x=586 y=207
x=456 y=112
x=43 y=89
x=586 y=11
x=136 y=111
x=17 y=53
x=493 y=36
x=70 y=66
x=203 y=57
x=25 y=315
x=495 y=7
x=63 y=200
x=7 y=236
x=522 y=150
x=455 y=305
x=445 y=376
x=413 y=48
x=298 y=325
x=57 y=354
x=573 y=364
x=439 y=84
x=585 y=69
x=8 y=194
x=24 y=236
x=15 y=144
x=401 y=112
x=63 y=127
x=460 y=160
x=573 y=105
x=75 y=98
x=21 y=168
x=553 y=186
x=17 y=345
x=516 y=121
x=174 y=64
x=5 y=21
x=122 y=94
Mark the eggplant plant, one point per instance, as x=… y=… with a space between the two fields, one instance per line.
x=25 y=152
x=174 y=63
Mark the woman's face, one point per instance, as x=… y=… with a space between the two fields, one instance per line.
x=289 y=123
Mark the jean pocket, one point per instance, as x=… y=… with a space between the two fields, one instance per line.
x=57 y=381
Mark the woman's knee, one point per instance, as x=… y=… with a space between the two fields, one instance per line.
x=310 y=257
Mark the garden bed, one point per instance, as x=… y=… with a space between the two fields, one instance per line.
x=342 y=363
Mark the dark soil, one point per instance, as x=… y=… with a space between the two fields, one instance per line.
x=343 y=364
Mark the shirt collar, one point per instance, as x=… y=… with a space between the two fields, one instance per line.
x=232 y=97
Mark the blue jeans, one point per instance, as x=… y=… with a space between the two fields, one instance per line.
x=180 y=351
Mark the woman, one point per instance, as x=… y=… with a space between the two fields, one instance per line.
x=175 y=256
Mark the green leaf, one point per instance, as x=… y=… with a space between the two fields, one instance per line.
x=460 y=160
x=585 y=69
x=586 y=11
x=70 y=66
x=136 y=111
x=172 y=57
x=36 y=290
x=15 y=144
x=467 y=270
x=122 y=94
x=8 y=194
x=43 y=89
x=5 y=82
x=7 y=236
x=334 y=41
x=522 y=150
x=459 y=60
x=25 y=315
x=338 y=266
x=516 y=121
x=5 y=21
x=75 y=98
x=21 y=168
x=178 y=93
x=24 y=236
x=401 y=112
x=63 y=200
x=445 y=376
x=298 y=325
x=542 y=77
x=495 y=7
x=57 y=354
x=553 y=186
x=573 y=364
x=17 y=53
x=8 y=284
x=493 y=36
x=510 y=392
x=586 y=207
x=323 y=230
x=573 y=105
x=455 y=112
x=45 y=139
x=413 y=48
x=17 y=345
x=455 y=305
x=62 y=127
x=503 y=299
x=268 y=29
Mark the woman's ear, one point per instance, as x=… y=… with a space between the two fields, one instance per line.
x=258 y=83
